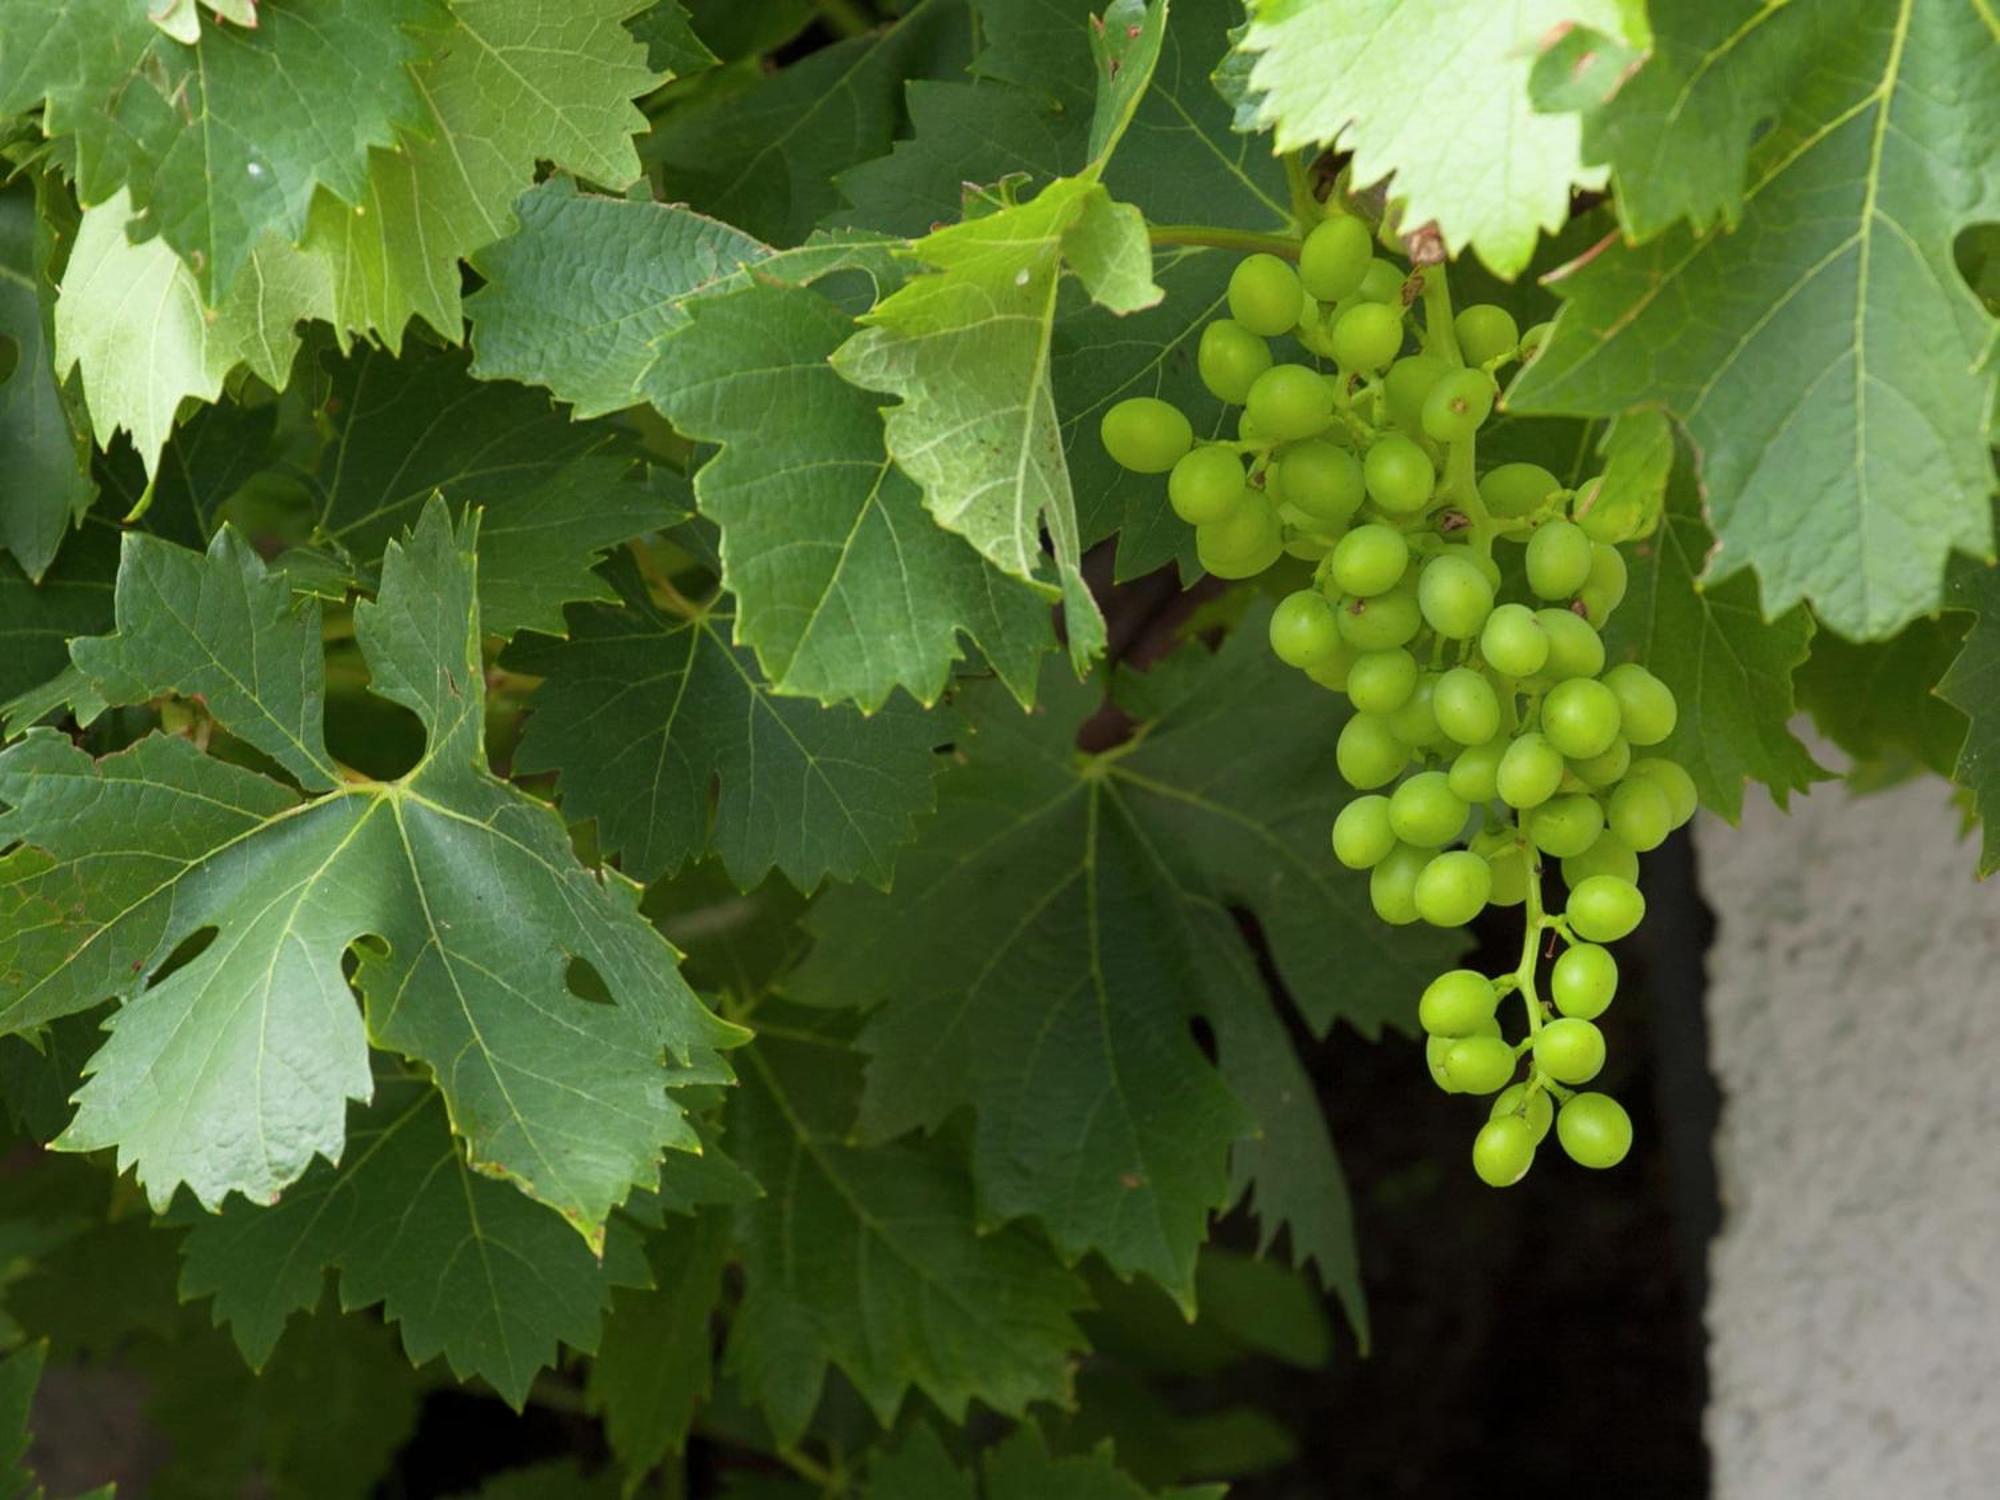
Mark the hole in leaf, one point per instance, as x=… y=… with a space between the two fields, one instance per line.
x=186 y=952
x=584 y=982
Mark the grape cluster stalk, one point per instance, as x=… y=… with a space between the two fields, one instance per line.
x=1487 y=735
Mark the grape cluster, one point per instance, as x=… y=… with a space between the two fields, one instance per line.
x=1488 y=734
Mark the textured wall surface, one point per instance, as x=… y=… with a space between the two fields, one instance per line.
x=1854 y=1012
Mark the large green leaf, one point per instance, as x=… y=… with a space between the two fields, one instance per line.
x=1973 y=685
x=899 y=1287
x=456 y=895
x=645 y=710
x=1879 y=701
x=48 y=485
x=1824 y=354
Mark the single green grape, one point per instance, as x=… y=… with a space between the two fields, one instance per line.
x=1362 y=837
x=1536 y=1108
x=1479 y=1064
x=1671 y=779
x=1485 y=333
x=1583 y=981
x=1566 y=826
x=1570 y=1050
x=1575 y=650
x=1467 y=708
x=1206 y=484
x=1264 y=295
x=1645 y=703
x=1607 y=767
x=1457 y=1003
x=1457 y=405
x=1512 y=490
x=1320 y=479
x=1610 y=855
x=1369 y=560
x=1595 y=1130
x=1369 y=755
x=1408 y=382
x=1367 y=336
x=1534 y=338
x=1580 y=717
x=1145 y=434
x=1558 y=559
x=1398 y=475
x=1513 y=641
x=1383 y=282
x=1415 y=723
x=1392 y=884
x=1510 y=877
x=1503 y=1151
x=1640 y=814
x=1604 y=909
x=1530 y=771
x=1243 y=543
x=1380 y=682
x=1424 y=811
x=1453 y=888
x=1289 y=402
x=1304 y=629
x=1475 y=770
x=1332 y=673
x=1228 y=358
x=1380 y=623
x=1455 y=597
x=1335 y=257
x=1604 y=590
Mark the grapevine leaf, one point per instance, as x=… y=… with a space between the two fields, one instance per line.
x=1433 y=94
x=48 y=485
x=643 y=711
x=1973 y=685
x=554 y=493
x=918 y=1469
x=900 y=1289
x=231 y=1072
x=224 y=139
x=1729 y=668
x=465 y=1265
x=671 y=45
x=1844 y=459
x=1879 y=701
x=1039 y=959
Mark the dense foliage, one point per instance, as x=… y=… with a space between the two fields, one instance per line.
x=579 y=794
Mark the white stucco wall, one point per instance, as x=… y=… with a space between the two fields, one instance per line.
x=1854 y=1012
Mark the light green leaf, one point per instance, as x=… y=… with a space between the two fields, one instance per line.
x=457 y=895
x=1973 y=685
x=1844 y=456
x=48 y=485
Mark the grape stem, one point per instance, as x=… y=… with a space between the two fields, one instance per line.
x=1531 y=939
x=1285 y=246
x=1440 y=338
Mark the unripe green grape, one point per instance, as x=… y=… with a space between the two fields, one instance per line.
x=1558 y=559
x=1513 y=641
x=1595 y=1130
x=1467 y=709
x=1367 y=336
x=1575 y=650
x=1645 y=703
x=1380 y=682
x=1475 y=770
x=1229 y=358
x=1457 y=1003
x=1503 y=1151
x=1332 y=672
x=1530 y=771
x=1605 y=768
x=1206 y=484
x=1604 y=909
x=1583 y=981
x=1435 y=1049
x=1392 y=884
x=1479 y=1064
x=1534 y=338
x=1570 y=1050
x=1369 y=560
x=1485 y=333
x=1610 y=855
x=1383 y=282
x=1453 y=888
x=1455 y=597
x=1320 y=479
x=1362 y=837
x=1335 y=257
x=1566 y=826
x=1424 y=811
x=1408 y=382
x=1369 y=755
x=1265 y=295
x=1303 y=629
x=1289 y=402
x=1604 y=590
x=1243 y=543
x=1415 y=723
x=1457 y=405
x=1535 y=1108
x=1580 y=717
x=1671 y=779
x=1398 y=475
x=1511 y=490
x=1381 y=623
x=1510 y=878
x=1640 y=814
x=1145 y=434
x=1246 y=430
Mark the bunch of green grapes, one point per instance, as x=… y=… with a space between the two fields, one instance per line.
x=1488 y=734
